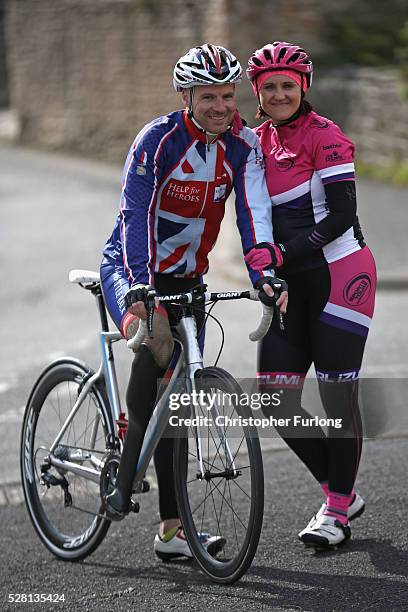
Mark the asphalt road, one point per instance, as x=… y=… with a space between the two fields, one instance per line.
x=368 y=573
x=55 y=214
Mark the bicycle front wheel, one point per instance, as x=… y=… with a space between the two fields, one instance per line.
x=65 y=507
x=219 y=478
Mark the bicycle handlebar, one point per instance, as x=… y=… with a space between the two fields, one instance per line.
x=199 y=296
x=267 y=316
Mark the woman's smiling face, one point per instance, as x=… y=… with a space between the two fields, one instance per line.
x=280 y=97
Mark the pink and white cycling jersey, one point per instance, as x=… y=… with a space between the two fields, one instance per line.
x=301 y=158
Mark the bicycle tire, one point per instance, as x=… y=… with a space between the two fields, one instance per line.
x=68 y=536
x=228 y=569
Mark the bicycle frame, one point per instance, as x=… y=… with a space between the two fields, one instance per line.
x=186 y=361
x=106 y=372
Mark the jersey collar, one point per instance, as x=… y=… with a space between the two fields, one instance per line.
x=194 y=131
x=288 y=128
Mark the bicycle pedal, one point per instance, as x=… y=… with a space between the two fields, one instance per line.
x=142 y=487
x=134 y=506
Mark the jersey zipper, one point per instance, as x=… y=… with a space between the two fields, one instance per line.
x=279 y=138
x=208 y=144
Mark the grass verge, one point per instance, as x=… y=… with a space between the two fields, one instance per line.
x=395 y=173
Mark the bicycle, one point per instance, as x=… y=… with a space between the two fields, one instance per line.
x=74 y=426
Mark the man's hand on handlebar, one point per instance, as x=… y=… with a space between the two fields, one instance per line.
x=138 y=297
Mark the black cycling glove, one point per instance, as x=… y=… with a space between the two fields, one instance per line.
x=278 y=285
x=138 y=293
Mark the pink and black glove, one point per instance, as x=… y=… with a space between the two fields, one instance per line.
x=264 y=256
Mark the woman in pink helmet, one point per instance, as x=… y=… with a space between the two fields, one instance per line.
x=320 y=250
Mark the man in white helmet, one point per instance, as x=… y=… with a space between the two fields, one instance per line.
x=179 y=172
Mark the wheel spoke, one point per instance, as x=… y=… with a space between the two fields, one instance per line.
x=206 y=496
x=215 y=511
x=239 y=487
x=233 y=517
x=238 y=449
x=232 y=509
x=202 y=518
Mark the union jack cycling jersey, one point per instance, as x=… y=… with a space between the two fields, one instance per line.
x=174 y=189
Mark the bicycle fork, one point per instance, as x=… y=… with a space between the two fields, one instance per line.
x=187 y=330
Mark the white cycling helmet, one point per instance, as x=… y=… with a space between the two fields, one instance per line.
x=206 y=65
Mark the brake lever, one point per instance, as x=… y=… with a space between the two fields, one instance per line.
x=277 y=287
x=150 y=306
x=280 y=315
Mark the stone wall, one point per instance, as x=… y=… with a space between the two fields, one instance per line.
x=4 y=98
x=370 y=106
x=86 y=75
x=255 y=23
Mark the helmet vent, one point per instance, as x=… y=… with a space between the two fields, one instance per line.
x=294 y=57
x=205 y=65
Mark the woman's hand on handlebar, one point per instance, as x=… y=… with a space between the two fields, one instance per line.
x=277 y=290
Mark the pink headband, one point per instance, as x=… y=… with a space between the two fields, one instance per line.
x=295 y=76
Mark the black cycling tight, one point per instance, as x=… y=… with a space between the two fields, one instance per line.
x=325 y=327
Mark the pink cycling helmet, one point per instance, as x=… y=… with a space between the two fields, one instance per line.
x=280 y=56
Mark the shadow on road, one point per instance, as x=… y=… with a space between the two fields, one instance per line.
x=385 y=557
x=292 y=589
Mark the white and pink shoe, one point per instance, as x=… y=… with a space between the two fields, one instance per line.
x=355 y=509
x=327 y=532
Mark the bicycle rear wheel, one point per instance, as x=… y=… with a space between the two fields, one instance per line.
x=64 y=507
x=228 y=501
